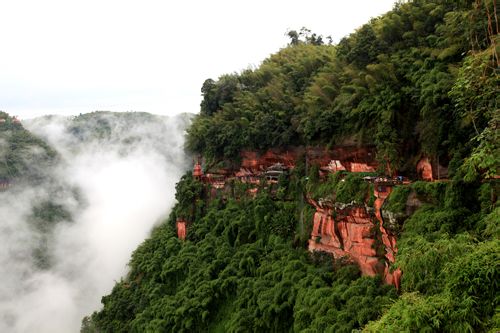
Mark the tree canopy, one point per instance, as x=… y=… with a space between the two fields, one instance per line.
x=422 y=78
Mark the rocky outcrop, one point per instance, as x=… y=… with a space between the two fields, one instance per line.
x=358 y=233
x=256 y=168
x=349 y=234
x=366 y=235
x=181 y=229
x=424 y=169
x=254 y=162
x=349 y=158
x=388 y=239
x=429 y=169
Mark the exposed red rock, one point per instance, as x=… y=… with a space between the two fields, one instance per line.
x=334 y=166
x=381 y=192
x=197 y=172
x=361 y=167
x=424 y=169
x=181 y=229
x=255 y=162
x=255 y=167
x=352 y=233
x=430 y=169
x=350 y=158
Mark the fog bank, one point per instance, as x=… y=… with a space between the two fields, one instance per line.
x=116 y=177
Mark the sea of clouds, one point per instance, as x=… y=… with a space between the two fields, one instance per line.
x=117 y=187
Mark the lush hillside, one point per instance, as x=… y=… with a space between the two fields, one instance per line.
x=242 y=268
x=239 y=271
x=421 y=80
x=23 y=156
x=26 y=164
x=79 y=194
x=119 y=127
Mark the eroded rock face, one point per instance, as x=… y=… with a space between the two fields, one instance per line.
x=388 y=239
x=356 y=232
x=350 y=158
x=362 y=167
x=254 y=162
x=424 y=169
x=430 y=169
x=350 y=234
x=345 y=230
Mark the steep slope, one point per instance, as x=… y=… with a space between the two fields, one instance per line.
x=89 y=190
x=25 y=163
x=23 y=156
x=379 y=155
x=421 y=80
x=237 y=271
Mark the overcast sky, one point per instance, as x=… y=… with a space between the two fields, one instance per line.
x=68 y=56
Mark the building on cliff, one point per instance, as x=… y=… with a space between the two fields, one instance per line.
x=246 y=176
x=275 y=171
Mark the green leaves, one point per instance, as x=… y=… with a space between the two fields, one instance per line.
x=463 y=299
x=239 y=274
x=256 y=109
x=449 y=255
x=405 y=81
x=22 y=155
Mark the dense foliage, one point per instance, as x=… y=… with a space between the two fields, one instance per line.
x=22 y=155
x=342 y=187
x=449 y=252
x=44 y=219
x=122 y=129
x=422 y=78
x=26 y=164
x=238 y=272
x=241 y=269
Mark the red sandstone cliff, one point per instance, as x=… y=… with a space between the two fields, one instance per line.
x=350 y=158
x=354 y=233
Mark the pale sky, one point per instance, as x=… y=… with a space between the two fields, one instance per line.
x=68 y=56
